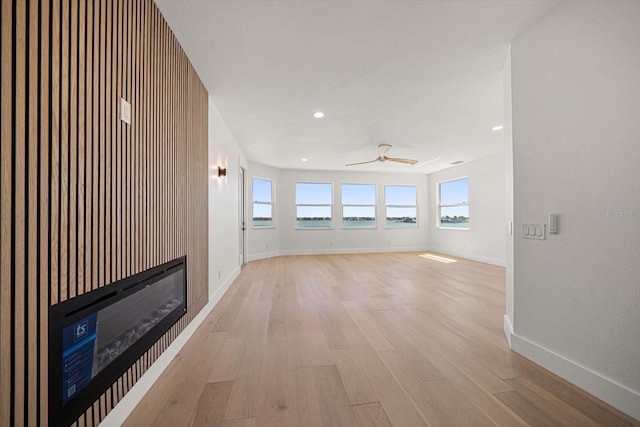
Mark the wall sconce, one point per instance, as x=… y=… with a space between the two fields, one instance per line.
x=222 y=172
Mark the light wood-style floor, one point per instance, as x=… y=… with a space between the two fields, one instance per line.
x=369 y=340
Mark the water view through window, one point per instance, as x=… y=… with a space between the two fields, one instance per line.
x=262 y=203
x=358 y=205
x=313 y=204
x=401 y=203
x=454 y=203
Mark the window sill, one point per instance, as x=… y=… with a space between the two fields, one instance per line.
x=359 y=228
x=314 y=228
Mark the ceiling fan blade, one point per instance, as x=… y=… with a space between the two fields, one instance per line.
x=362 y=163
x=406 y=161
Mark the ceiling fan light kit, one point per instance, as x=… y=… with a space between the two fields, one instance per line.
x=382 y=157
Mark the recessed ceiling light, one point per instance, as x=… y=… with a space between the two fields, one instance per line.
x=457 y=162
x=499 y=127
x=304 y=159
x=318 y=114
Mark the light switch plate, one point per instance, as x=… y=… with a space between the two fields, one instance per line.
x=125 y=111
x=534 y=231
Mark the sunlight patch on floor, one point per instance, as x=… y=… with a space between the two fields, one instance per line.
x=438 y=258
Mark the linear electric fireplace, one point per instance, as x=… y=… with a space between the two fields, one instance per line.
x=95 y=337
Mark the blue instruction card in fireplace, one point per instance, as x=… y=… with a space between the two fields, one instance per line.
x=78 y=353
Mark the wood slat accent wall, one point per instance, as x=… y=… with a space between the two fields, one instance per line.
x=86 y=199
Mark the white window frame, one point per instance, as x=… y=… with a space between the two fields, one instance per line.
x=330 y=205
x=452 y=205
x=387 y=206
x=254 y=202
x=374 y=206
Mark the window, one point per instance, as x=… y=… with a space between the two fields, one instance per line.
x=401 y=203
x=262 y=203
x=453 y=204
x=358 y=205
x=313 y=204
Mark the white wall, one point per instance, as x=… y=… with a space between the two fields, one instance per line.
x=509 y=232
x=292 y=241
x=576 y=130
x=224 y=217
x=484 y=241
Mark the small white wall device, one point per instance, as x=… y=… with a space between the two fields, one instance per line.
x=553 y=223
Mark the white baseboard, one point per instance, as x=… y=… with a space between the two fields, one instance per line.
x=616 y=395
x=471 y=257
x=331 y=251
x=262 y=255
x=338 y=251
x=218 y=293
x=125 y=407
x=508 y=329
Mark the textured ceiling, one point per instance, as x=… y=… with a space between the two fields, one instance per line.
x=424 y=76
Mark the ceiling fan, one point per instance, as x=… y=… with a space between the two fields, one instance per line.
x=382 y=157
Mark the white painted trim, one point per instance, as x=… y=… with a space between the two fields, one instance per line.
x=218 y=293
x=262 y=255
x=617 y=395
x=508 y=329
x=125 y=407
x=472 y=257
x=338 y=251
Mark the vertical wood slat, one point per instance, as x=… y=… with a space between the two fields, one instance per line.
x=95 y=166
x=118 y=152
x=64 y=151
x=102 y=164
x=6 y=117
x=31 y=290
x=128 y=143
x=88 y=143
x=113 y=123
x=73 y=147
x=81 y=150
x=19 y=240
x=107 y=120
x=43 y=214
x=86 y=200
x=54 y=157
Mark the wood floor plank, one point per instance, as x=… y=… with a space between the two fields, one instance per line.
x=399 y=407
x=332 y=397
x=455 y=406
x=416 y=389
x=308 y=347
x=371 y=415
x=245 y=391
x=211 y=404
x=185 y=374
x=322 y=340
x=556 y=408
x=225 y=367
x=354 y=378
x=592 y=407
x=486 y=402
x=273 y=406
x=371 y=333
x=304 y=399
x=525 y=409
x=246 y=422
